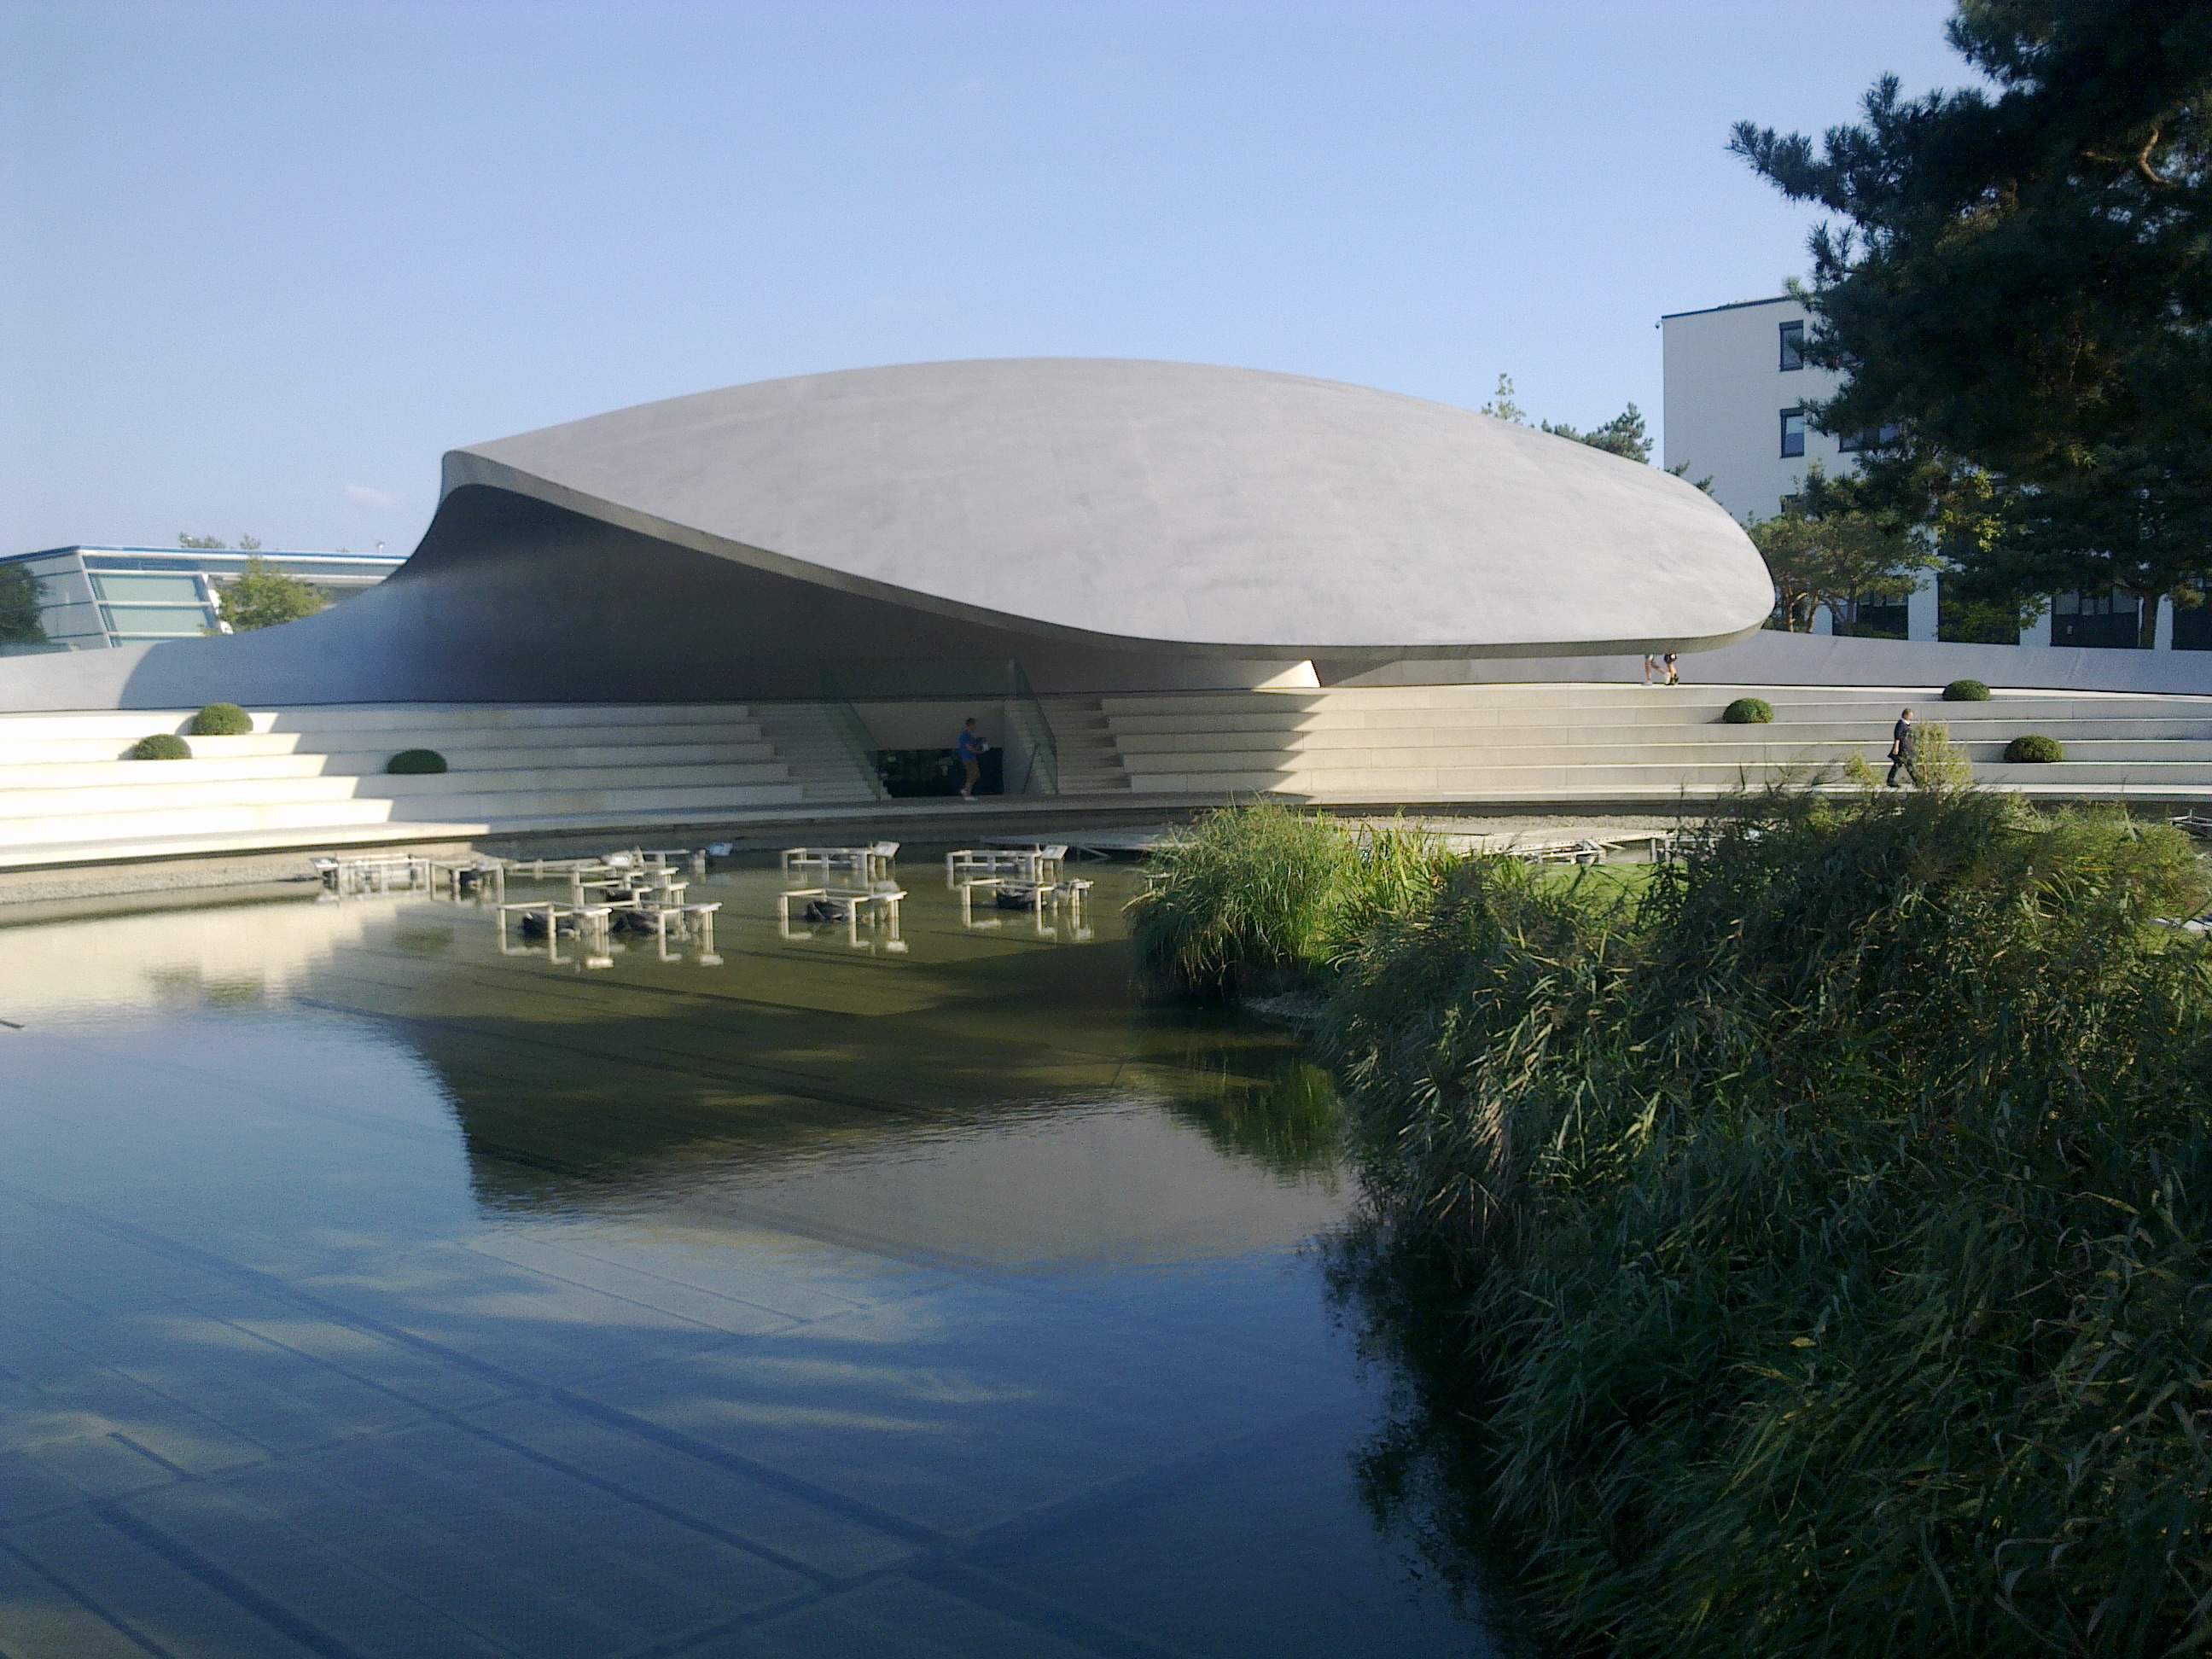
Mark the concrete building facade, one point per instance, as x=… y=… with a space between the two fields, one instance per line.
x=1736 y=386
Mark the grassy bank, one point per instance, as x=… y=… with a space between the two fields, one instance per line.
x=1827 y=1226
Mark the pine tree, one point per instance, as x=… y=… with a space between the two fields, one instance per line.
x=2023 y=292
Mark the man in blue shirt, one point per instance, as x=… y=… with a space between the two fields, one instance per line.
x=972 y=748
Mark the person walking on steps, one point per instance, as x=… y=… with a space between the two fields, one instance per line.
x=1674 y=674
x=1900 y=748
x=972 y=750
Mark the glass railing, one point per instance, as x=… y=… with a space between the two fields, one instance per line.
x=1025 y=718
x=852 y=733
x=1032 y=756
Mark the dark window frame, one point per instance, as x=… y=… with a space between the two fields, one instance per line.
x=1792 y=345
x=1873 y=438
x=1788 y=416
x=2097 y=617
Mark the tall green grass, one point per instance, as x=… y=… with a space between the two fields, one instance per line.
x=1264 y=897
x=1826 y=1230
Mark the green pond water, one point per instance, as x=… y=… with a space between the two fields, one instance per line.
x=367 y=1290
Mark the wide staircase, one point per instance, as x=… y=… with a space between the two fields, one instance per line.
x=1542 y=743
x=316 y=777
x=1090 y=758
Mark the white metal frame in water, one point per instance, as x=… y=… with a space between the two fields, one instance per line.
x=877 y=906
x=1036 y=867
x=870 y=863
x=1063 y=899
x=594 y=930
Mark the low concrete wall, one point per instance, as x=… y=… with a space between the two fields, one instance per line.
x=1768 y=658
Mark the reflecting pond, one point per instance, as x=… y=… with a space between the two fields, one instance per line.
x=368 y=1290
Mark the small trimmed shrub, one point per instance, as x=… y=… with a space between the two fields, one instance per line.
x=1965 y=691
x=416 y=763
x=2034 y=749
x=161 y=745
x=1749 y=711
x=222 y=720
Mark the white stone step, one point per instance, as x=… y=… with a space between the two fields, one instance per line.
x=1346 y=724
x=207 y=762
x=310 y=817
x=162 y=786
x=548 y=740
x=394 y=718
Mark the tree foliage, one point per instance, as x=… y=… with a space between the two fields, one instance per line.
x=1501 y=404
x=1829 y=547
x=2020 y=285
x=262 y=596
x=201 y=543
x=20 y=623
x=1623 y=435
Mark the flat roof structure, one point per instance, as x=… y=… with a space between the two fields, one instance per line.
x=96 y=598
x=1105 y=524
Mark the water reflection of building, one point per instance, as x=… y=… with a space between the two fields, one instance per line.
x=946 y=1110
x=905 y=1145
x=131 y=964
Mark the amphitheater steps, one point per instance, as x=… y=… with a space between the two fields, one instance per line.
x=315 y=776
x=1090 y=758
x=1530 y=743
x=808 y=740
x=312 y=777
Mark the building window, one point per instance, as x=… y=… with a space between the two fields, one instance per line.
x=1793 y=432
x=2192 y=627
x=1880 y=619
x=2097 y=617
x=1793 y=345
x=1870 y=439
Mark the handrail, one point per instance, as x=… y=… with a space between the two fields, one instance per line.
x=1026 y=714
x=846 y=723
x=953 y=680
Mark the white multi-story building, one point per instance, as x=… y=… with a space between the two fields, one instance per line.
x=1736 y=386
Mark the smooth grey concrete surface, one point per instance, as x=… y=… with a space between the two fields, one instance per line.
x=1111 y=526
x=1176 y=503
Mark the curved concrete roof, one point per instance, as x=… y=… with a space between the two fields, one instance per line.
x=1172 y=504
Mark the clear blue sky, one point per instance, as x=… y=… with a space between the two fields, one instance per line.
x=261 y=264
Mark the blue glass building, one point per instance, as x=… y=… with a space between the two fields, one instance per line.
x=91 y=599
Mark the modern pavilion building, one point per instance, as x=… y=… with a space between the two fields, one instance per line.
x=1083 y=525
x=1156 y=586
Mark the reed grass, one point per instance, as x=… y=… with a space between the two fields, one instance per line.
x=1827 y=1228
x=1263 y=898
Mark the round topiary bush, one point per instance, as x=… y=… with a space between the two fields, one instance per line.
x=2034 y=749
x=162 y=745
x=222 y=720
x=1749 y=711
x=415 y=763
x=1965 y=691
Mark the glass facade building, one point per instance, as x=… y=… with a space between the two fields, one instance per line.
x=91 y=599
